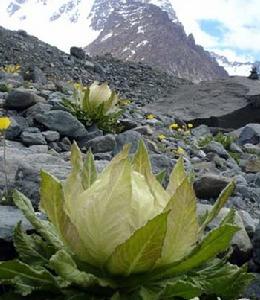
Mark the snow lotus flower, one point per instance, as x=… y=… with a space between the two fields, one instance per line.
x=96 y=99
x=120 y=235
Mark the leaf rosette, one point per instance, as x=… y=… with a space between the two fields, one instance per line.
x=120 y=235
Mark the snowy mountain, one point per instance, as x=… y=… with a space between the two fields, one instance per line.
x=235 y=67
x=136 y=30
x=62 y=23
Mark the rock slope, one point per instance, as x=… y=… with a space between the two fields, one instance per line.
x=230 y=103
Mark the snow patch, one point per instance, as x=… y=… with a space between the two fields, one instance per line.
x=61 y=33
x=140 y=29
x=142 y=43
x=107 y=36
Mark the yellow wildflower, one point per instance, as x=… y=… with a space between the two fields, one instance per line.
x=150 y=117
x=4 y=123
x=124 y=102
x=161 y=137
x=77 y=86
x=173 y=126
x=180 y=151
x=190 y=125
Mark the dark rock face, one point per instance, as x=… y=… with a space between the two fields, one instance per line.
x=225 y=103
x=141 y=32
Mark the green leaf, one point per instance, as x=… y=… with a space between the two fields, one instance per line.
x=142 y=165
x=229 y=218
x=72 y=186
x=53 y=204
x=182 y=219
x=221 y=201
x=222 y=279
x=141 y=251
x=76 y=158
x=141 y=162
x=148 y=294
x=89 y=172
x=181 y=288
x=46 y=229
x=215 y=242
x=101 y=211
x=64 y=265
x=26 y=279
x=31 y=249
x=176 y=177
x=161 y=176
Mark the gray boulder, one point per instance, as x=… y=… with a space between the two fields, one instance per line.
x=78 y=53
x=9 y=217
x=250 y=134
x=102 y=144
x=217 y=148
x=210 y=185
x=32 y=136
x=51 y=135
x=128 y=137
x=21 y=99
x=18 y=124
x=23 y=168
x=63 y=122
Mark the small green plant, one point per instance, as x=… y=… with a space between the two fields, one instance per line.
x=181 y=132
x=96 y=104
x=4 y=88
x=121 y=235
x=225 y=140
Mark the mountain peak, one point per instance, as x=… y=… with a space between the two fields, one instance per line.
x=102 y=9
x=141 y=31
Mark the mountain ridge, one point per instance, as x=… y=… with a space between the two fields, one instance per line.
x=141 y=31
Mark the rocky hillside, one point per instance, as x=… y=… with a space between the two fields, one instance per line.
x=135 y=31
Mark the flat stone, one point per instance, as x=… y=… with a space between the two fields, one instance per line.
x=32 y=138
x=9 y=217
x=51 y=135
x=62 y=122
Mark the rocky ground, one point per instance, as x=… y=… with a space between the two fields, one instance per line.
x=42 y=131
